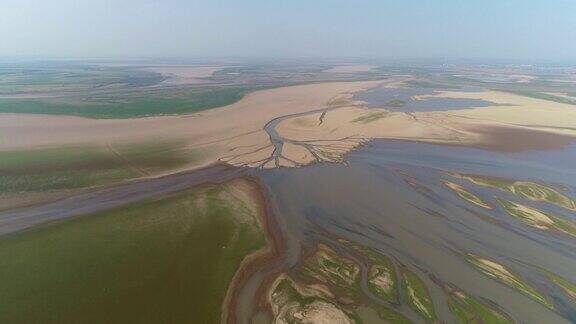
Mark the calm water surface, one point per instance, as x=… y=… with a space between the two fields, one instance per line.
x=426 y=226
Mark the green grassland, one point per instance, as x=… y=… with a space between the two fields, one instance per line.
x=45 y=77
x=128 y=105
x=38 y=170
x=166 y=260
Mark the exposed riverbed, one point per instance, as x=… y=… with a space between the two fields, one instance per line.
x=391 y=197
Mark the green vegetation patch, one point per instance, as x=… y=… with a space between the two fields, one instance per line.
x=382 y=278
x=45 y=77
x=165 y=260
x=75 y=167
x=537 y=219
x=395 y=103
x=368 y=118
x=327 y=266
x=60 y=168
x=128 y=105
x=418 y=296
x=524 y=189
x=568 y=287
x=377 y=314
x=543 y=96
x=506 y=276
x=467 y=309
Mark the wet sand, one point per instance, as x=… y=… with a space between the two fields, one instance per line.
x=508 y=139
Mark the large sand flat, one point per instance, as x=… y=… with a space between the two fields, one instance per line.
x=228 y=132
x=521 y=123
x=519 y=110
x=235 y=134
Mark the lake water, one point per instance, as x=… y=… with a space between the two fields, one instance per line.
x=391 y=197
x=386 y=97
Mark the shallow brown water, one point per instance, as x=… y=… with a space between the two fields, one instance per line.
x=428 y=228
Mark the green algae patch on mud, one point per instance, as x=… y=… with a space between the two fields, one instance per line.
x=504 y=275
x=524 y=189
x=468 y=309
x=537 y=219
x=168 y=259
x=292 y=303
x=327 y=266
x=467 y=195
x=417 y=295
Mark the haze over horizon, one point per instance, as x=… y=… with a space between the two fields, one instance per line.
x=509 y=30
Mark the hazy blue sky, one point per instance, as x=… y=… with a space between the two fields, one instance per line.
x=508 y=29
